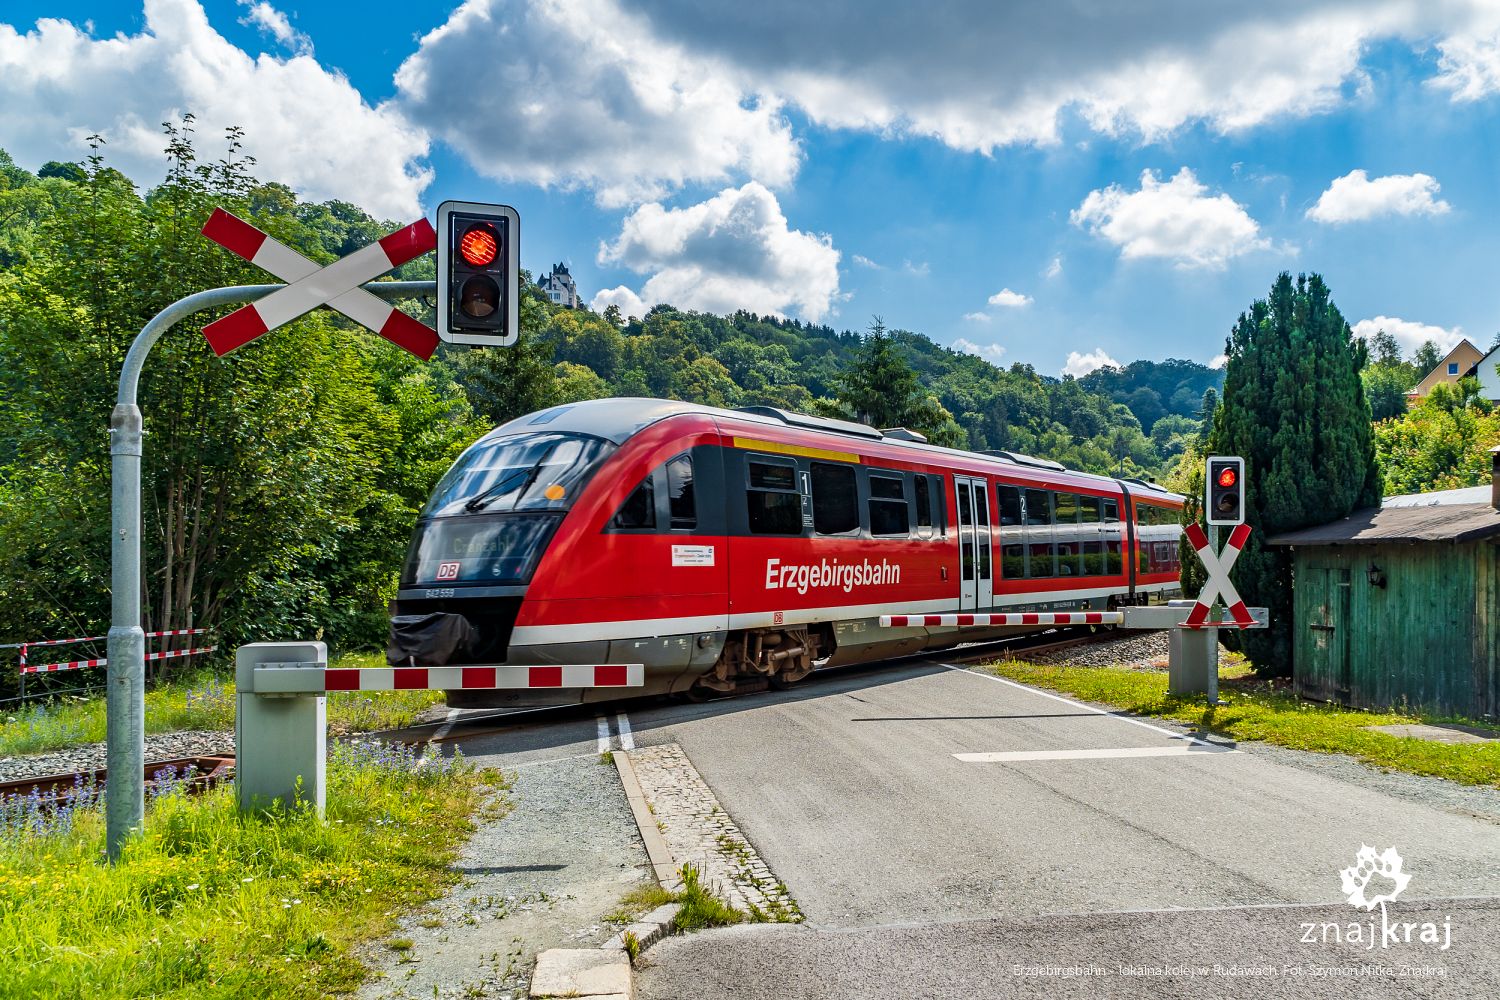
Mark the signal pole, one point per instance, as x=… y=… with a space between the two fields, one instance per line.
x=125 y=693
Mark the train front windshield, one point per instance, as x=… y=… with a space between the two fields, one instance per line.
x=492 y=514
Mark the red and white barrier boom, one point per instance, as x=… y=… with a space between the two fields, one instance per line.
x=280 y=725
x=1016 y=618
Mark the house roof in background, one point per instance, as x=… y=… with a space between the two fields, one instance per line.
x=1453 y=522
x=1467 y=356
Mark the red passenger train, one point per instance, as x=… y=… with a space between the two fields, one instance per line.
x=720 y=547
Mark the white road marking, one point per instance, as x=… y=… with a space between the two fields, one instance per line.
x=627 y=738
x=603 y=733
x=1082 y=705
x=1095 y=754
x=447 y=725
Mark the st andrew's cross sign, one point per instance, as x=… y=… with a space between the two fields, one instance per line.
x=309 y=285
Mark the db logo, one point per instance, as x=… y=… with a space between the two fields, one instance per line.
x=777 y=618
x=448 y=571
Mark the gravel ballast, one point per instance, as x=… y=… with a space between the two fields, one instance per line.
x=90 y=756
x=1142 y=650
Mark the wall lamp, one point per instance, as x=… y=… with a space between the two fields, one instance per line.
x=1376 y=576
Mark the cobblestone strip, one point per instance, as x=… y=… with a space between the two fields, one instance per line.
x=699 y=832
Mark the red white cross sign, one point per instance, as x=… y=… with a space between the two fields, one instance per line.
x=1218 y=579
x=310 y=286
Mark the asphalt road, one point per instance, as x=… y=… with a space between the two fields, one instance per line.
x=1075 y=840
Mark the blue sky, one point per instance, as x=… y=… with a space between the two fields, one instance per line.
x=1058 y=186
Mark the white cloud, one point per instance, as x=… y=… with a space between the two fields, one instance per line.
x=978 y=317
x=305 y=124
x=573 y=93
x=630 y=303
x=1355 y=198
x=864 y=261
x=1080 y=365
x=1218 y=361
x=1469 y=58
x=978 y=76
x=920 y=269
x=1007 y=299
x=276 y=24
x=1054 y=268
x=990 y=352
x=734 y=251
x=1410 y=334
x=1176 y=220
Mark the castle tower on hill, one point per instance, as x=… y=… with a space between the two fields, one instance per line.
x=559 y=286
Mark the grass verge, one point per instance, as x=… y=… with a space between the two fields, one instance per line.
x=211 y=903
x=201 y=701
x=1257 y=710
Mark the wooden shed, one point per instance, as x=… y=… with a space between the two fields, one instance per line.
x=1400 y=606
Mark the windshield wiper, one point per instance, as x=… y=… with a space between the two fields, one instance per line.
x=495 y=492
x=492 y=493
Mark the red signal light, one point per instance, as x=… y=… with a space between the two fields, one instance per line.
x=1228 y=477
x=479 y=246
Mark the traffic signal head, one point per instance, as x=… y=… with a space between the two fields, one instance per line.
x=1225 y=499
x=479 y=301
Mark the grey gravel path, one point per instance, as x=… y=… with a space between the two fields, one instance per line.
x=543 y=876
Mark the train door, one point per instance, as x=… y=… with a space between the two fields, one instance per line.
x=977 y=589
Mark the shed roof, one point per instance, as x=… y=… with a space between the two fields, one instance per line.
x=1382 y=525
x=1440 y=498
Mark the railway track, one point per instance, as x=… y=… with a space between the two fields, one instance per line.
x=467 y=727
x=457 y=729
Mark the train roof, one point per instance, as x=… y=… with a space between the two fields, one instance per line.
x=620 y=418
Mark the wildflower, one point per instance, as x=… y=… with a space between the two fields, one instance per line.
x=247 y=878
x=193 y=886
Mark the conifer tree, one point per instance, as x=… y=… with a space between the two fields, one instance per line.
x=1294 y=407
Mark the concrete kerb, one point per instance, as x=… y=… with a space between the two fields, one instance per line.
x=604 y=973
x=662 y=862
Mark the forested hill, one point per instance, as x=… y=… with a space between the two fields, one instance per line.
x=282 y=482
x=744 y=359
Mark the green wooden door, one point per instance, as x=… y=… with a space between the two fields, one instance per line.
x=1327 y=644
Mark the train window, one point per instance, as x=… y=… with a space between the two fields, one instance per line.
x=889 y=514
x=1093 y=558
x=982 y=542
x=765 y=476
x=639 y=509
x=1067 y=508
x=1038 y=508
x=772 y=502
x=924 y=507
x=1010 y=505
x=680 y=492
x=981 y=505
x=1013 y=562
x=1043 y=561
x=1113 y=565
x=1111 y=511
x=835 y=499
x=1088 y=510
